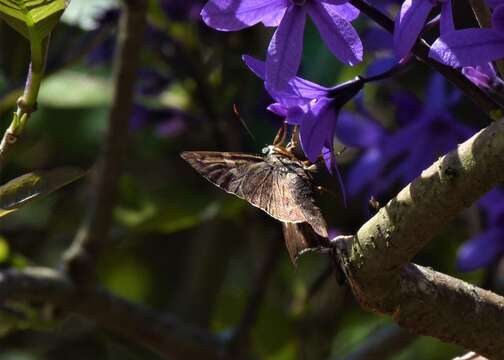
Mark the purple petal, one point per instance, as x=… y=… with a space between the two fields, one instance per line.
x=493 y=3
x=436 y=94
x=257 y=66
x=274 y=18
x=317 y=127
x=337 y=33
x=364 y=171
x=344 y=10
x=492 y=203
x=356 y=131
x=406 y=105
x=409 y=23
x=483 y=76
x=232 y=15
x=498 y=18
x=278 y=109
x=468 y=47
x=306 y=89
x=481 y=250
x=296 y=115
x=285 y=49
x=446 y=24
x=298 y=91
x=381 y=65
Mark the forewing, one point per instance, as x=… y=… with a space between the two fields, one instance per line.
x=227 y=170
x=285 y=193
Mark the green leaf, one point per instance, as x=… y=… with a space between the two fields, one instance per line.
x=29 y=187
x=92 y=90
x=4 y=250
x=34 y=19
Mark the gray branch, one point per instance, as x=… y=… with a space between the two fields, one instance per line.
x=420 y=299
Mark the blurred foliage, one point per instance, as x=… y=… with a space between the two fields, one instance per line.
x=178 y=243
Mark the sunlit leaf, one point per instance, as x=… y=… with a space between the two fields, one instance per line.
x=29 y=187
x=34 y=19
x=60 y=90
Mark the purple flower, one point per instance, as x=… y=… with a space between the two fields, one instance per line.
x=474 y=46
x=410 y=21
x=331 y=17
x=167 y=122
x=484 y=248
x=484 y=76
x=313 y=107
x=428 y=131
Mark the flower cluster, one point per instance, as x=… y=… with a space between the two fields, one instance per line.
x=424 y=130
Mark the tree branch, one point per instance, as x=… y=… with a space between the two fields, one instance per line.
x=80 y=258
x=160 y=333
x=421 y=51
x=420 y=299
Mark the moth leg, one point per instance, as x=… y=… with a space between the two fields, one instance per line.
x=281 y=135
x=312 y=250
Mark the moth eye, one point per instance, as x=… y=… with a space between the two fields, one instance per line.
x=265 y=150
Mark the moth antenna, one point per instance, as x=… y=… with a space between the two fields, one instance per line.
x=237 y=114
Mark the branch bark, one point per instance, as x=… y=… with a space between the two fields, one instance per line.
x=161 y=333
x=81 y=257
x=420 y=299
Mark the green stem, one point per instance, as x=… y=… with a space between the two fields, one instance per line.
x=27 y=103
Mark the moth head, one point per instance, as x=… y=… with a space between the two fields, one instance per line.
x=268 y=150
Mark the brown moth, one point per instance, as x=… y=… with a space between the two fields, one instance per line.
x=277 y=183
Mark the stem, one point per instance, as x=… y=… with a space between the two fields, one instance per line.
x=27 y=103
x=81 y=257
x=421 y=51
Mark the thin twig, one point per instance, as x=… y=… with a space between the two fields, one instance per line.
x=421 y=51
x=81 y=257
x=27 y=103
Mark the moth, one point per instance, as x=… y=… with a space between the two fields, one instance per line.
x=278 y=183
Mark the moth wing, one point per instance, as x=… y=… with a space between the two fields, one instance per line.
x=302 y=191
x=299 y=237
x=284 y=194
